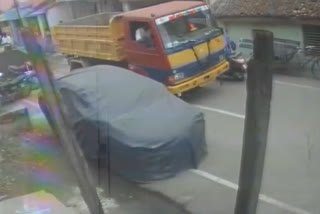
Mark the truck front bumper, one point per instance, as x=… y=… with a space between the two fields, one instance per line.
x=201 y=80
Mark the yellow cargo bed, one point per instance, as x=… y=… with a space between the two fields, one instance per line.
x=96 y=40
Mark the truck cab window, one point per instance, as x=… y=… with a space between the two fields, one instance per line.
x=141 y=33
x=180 y=30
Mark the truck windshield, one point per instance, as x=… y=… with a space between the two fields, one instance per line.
x=184 y=27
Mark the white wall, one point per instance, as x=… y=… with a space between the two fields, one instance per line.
x=60 y=12
x=238 y=30
x=80 y=9
x=66 y=11
x=286 y=31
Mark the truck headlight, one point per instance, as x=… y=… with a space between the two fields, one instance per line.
x=178 y=76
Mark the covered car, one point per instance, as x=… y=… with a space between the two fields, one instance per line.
x=149 y=133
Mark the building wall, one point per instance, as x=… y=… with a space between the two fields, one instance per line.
x=66 y=11
x=42 y=24
x=60 y=12
x=243 y=30
x=15 y=33
x=80 y=9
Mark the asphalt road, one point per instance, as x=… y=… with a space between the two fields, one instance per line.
x=291 y=182
x=291 y=173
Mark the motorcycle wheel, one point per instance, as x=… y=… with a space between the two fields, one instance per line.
x=316 y=69
x=239 y=76
x=234 y=76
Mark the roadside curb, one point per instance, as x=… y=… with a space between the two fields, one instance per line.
x=147 y=192
x=178 y=190
x=145 y=196
x=166 y=198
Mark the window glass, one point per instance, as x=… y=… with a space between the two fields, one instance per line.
x=187 y=28
x=141 y=33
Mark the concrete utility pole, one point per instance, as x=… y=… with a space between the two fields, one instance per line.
x=17 y=7
x=259 y=93
x=63 y=129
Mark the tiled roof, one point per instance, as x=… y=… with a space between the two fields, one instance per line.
x=163 y=9
x=266 y=8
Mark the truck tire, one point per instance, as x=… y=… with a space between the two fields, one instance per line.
x=74 y=66
x=78 y=63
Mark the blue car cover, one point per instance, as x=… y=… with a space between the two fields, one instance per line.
x=134 y=122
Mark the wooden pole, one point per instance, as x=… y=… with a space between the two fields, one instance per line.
x=64 y=131
x=259 y=93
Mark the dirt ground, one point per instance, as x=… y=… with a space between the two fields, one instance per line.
x=31 y=160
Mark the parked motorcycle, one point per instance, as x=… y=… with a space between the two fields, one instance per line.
x=17 y=82
x=238 y=68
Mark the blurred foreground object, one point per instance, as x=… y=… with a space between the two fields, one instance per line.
x=65 y=134
x=39 y=202
x=259 y=93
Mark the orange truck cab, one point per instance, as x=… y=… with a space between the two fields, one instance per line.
x=174 y=43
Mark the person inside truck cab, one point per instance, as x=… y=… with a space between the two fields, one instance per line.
x=143 y=35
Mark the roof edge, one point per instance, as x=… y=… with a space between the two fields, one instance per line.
x=266 y=16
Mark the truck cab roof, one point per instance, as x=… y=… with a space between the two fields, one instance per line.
x=163 y=9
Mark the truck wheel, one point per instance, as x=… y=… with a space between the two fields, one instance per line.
x=78 y=63
x=74 y=66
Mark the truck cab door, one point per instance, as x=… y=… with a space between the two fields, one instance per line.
x=145 y=52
